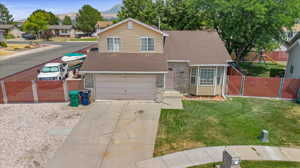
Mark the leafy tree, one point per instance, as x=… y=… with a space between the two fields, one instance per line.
x=5 y=17
x=250 y=24
x=168 y=14
x=137 y=9
x=53 y=20
x=67 y=20
x=87 y=18
x=37 y=23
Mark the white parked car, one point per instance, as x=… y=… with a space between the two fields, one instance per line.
x=53 y=71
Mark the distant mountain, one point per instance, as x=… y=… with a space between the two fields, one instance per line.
x=72 y=15
x=108 y=14
x=114 y=10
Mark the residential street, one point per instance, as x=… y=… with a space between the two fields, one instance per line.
x=16 y=64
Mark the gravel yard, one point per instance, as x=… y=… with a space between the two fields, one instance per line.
x=31 y=133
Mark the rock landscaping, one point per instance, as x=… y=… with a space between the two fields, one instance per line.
x=30 y=134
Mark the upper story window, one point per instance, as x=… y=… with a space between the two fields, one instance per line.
x=292 y=69
x=113 y=44
x=147 y=44
x=290 y=34
x=130 y=25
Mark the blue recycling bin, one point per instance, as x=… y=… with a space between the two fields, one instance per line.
x=85 y=97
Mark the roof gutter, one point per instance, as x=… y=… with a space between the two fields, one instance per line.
x=179 y=61
x=123 y=72
x=206 y=65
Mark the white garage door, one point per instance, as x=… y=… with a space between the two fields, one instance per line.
x=125 y=87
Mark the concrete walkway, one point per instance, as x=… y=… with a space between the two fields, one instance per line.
x=172 y=100
x=111 y=135
x=207 y=155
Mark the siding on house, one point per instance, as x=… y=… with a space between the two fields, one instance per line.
x=293 y=66
x=130 y=38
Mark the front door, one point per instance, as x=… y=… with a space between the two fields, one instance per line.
x=170 y=79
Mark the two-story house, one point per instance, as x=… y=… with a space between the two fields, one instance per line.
x=137 y=61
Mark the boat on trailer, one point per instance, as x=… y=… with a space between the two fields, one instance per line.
x=73 y=59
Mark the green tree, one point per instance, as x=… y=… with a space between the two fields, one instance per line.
x=168 y=14
x=87 y=18
x=137 y=9
x=5 y=16
x=53 y=20
x=67 y=20
x=250 y=24
x=37 y=23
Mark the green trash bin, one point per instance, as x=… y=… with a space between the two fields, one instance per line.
x=74 y=98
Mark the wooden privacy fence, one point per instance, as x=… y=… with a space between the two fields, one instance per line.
x=262 y=87
x=37 y=91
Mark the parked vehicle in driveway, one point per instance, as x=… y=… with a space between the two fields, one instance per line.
x=27 y=36
x=53 y=71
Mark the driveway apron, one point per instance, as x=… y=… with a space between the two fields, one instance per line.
x=111 y=135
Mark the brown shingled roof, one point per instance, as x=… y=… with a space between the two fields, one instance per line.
x=136 y=62
x=198 y=47
x=6 y=26
x=103 y=24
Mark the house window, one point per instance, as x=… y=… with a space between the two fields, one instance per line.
x=147 y=44
x=290 y=34
x=207 y=76
x=292 y=69
x=130 y=25
x=193 y=76
x=64 y=31
x=113 y=44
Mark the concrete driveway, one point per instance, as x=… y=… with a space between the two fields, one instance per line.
x=111 y=135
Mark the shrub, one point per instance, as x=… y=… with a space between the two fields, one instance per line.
x=277 y=72
x=3 y=44
x=10 y=36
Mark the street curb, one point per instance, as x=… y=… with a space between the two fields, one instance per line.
x=32 y=51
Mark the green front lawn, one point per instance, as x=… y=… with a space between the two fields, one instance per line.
x=233 y=122
x=84 y=39
x=259 y=164
x=259 y=69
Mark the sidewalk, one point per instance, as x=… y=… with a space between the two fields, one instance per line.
x=172 y=100
x=201 y=156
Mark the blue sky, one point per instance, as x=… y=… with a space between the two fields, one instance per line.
x=23 y=8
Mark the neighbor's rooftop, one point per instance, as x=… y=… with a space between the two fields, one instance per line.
x=6 y=26
x=60 y=27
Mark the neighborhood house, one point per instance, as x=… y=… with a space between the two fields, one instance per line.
x=293 y=65
x=62 y=30
x=137 y=61
x=11 y=29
